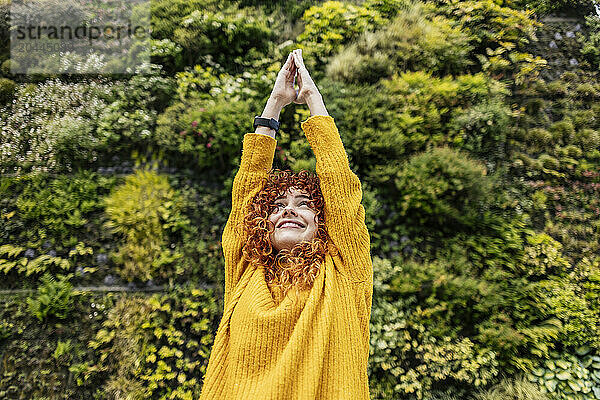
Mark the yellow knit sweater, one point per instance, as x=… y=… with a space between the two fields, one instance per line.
x=307 y=347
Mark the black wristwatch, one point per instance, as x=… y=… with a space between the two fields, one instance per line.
x=268 y=122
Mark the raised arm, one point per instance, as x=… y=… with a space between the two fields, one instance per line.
x=341 y=188
x=258 y=151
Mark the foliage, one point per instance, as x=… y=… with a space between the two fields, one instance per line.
x=230 y=38
x=32 y=366
x=205 y=131
x=23 y=265
x=331 y=25
x=44 y=121
x=7 y=88
x=4 y=29
x=483 y=129
x=406 y=355
x=555 y=153
x=457 y=294
x=146 y=212
x=480 y=181
x=415 y=111
x=388 y=9
x=415 y=40
x=544 y=7
x=586 y=274
x=251 y=86
x=207 y=206
x=157 y=346
x=166 y=15
x=560 y=298
x=512 y=389
x=62 y=353
x=58 y=208
x=591 y=43
x=567 y=375
x=57 y=126
x=130 y=117
x=441 y=189
x=54 y=298
x=500 y=36
x=543 y=257
x=54 y=219
x=5 y=330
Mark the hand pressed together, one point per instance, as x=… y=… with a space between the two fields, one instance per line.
x=306 y=86
x=283 y=89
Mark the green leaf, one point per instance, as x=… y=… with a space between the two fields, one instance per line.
x=537 y=371
x=551 y=385
x=564 y=375
x=574 y=385
x=582 y=350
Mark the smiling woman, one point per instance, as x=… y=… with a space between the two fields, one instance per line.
x=286 y=230
x=303 y=232
x=293 y=219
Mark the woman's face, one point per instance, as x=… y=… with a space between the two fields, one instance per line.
x=293 y=219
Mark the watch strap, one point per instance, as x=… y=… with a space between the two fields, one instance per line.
x=268 y=122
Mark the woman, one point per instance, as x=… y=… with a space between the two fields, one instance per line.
x=304 y=233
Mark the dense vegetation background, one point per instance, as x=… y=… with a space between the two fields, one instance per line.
x=473 y=125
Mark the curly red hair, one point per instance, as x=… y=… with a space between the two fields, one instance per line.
x=296 y=267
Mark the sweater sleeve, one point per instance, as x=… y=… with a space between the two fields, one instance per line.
x=257 y=160
x=341 y=188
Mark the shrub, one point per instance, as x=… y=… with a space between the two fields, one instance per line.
x=145 y=210
x=26 y=141
x=590 y=45
x=500 y=37
x=421 y=115
x=539 y=137
x=569 y=375
x=388 y=9
x=331 y=25
x=231 y=38
x=483 y=130
x=442 y=189
x=543 y=257
x=131 y=116
x=560 y=298
x=7 y=88
x=406 y=356
x=157 y=346
x=416 y=39
x=60 y=208
x=543 y=7
x=167 y=15
x=54 y=298
x=251 y=86
x=5 y=330
x=518 y=388
x=563 y=132
x=207 y=132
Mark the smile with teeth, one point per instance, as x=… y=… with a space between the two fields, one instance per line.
x=290 y=224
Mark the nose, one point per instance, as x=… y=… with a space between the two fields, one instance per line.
x=289 y=210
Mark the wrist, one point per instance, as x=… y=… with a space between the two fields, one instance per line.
x=316 y=105
x=273 y=108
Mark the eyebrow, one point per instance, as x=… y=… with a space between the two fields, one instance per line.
x=300 y=196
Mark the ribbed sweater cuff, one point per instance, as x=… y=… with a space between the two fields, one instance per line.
x=257 y=152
